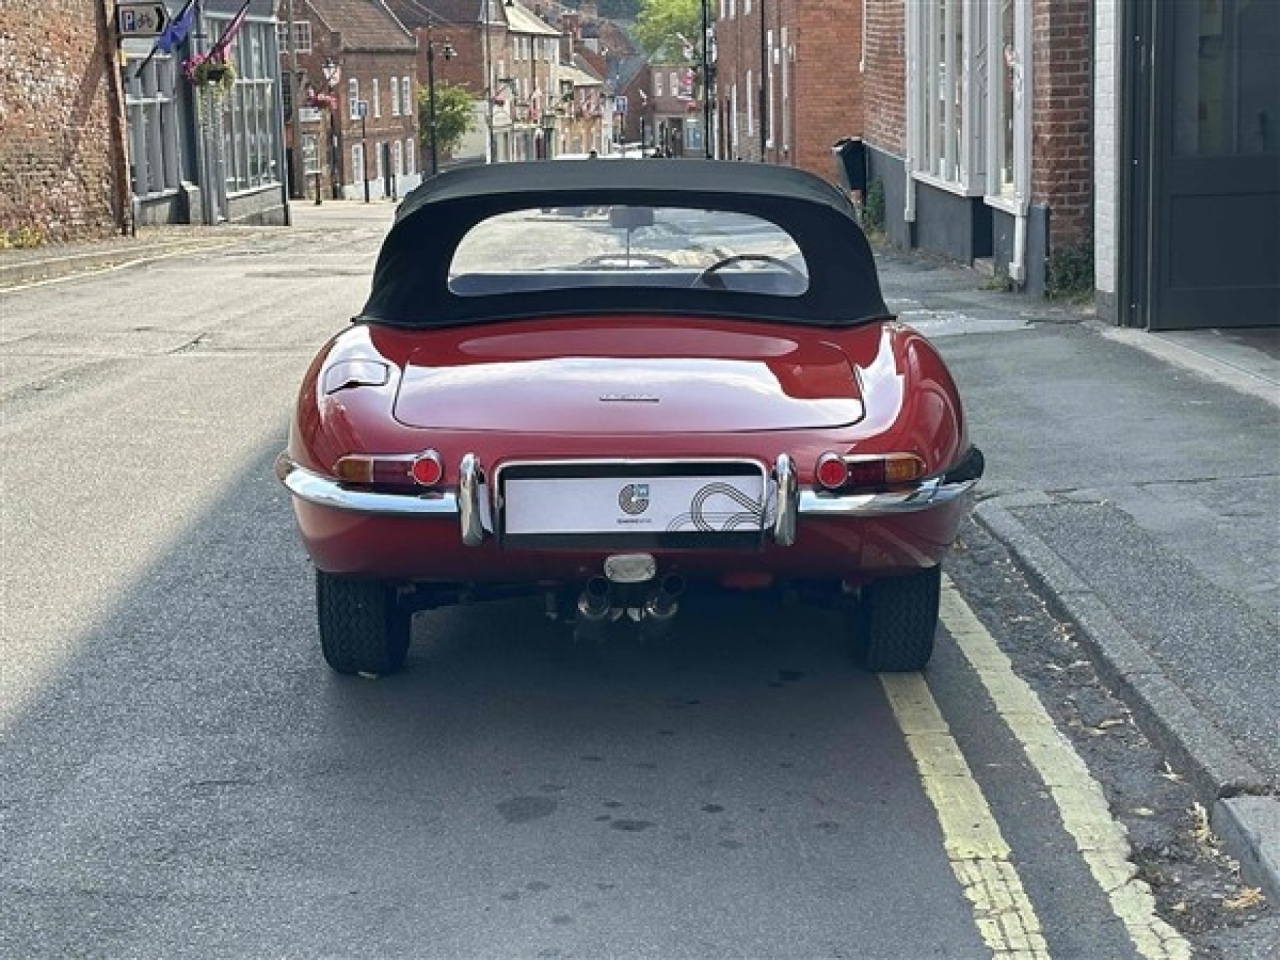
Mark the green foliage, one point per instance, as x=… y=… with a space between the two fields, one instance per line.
x=1071 y=271
x=455 y=116
x=873 y=207
x=662 y=22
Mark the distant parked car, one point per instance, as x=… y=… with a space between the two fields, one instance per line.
x=700 y=388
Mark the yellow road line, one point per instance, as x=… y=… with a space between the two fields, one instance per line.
x=1102 y=842
x=977 y=850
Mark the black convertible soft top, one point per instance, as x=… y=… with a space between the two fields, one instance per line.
x=410 y=284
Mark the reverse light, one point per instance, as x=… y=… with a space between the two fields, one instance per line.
x=836 y=472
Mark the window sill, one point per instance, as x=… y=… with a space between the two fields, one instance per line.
x=1006 y=203
x=947 y=186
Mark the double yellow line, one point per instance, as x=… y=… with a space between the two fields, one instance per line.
x=979 y=855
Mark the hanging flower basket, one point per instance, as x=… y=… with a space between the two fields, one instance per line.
x=206 y=73
x=322 y=101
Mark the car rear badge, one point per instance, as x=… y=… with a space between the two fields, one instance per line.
x=628 y=398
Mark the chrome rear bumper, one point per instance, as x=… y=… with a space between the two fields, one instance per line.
x=468 y=505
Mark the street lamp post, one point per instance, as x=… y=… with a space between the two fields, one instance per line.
x=446 y=51
x=332 y=72
x=363 y=107
x=706 y=80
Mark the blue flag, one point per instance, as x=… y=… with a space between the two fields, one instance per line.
x=177 y=29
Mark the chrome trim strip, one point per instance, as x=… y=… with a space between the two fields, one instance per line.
x=470 y=476
x=920 y=496
x=326 y=492
x=784 y=519
x=628 y=462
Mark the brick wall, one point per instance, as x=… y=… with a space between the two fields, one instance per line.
x=825 y=91
x=828 y=91
x=885 y=78
x=58 y=142
x=1062 y=118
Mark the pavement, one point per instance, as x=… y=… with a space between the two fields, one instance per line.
x=1134 y=476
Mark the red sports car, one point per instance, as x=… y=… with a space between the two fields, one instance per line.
x=612 y=382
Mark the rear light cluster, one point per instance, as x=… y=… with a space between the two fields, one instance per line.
x=424 y=469
x=876 y=471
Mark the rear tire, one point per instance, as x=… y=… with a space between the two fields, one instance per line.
x=891 y=629
x=362 y=627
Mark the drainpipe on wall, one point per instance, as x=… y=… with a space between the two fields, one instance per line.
x=914 y=131
x=122 y=188
x=1021 y=143
x=1017 y=263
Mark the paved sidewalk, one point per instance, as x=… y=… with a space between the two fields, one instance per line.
x=1136 y=478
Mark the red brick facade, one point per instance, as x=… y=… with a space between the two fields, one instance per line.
x=828 y=93
x=61 y=126
x=1062 y=118
x=885 y=78
x=797 y=63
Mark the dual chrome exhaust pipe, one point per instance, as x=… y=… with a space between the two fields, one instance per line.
x=653 y=604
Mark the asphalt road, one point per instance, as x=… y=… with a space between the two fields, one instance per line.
x=180 y=775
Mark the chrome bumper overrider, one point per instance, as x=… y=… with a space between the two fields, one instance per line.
x=468 y=504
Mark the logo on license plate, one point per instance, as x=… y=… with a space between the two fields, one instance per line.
x=634 y=498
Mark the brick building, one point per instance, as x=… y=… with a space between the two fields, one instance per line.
x=62 y=152
x=476 y=34
x=787 y=79
x=1042 y=140
x=357 y=104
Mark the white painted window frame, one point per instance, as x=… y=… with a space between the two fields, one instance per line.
x=969 y=164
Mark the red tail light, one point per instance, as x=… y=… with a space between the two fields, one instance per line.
x=875 y=471
x=427 y=469
x=832 y=471
x=424 y=469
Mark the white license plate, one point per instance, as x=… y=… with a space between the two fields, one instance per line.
x=636 y=503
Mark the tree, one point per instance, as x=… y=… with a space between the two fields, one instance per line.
x=455 y=116
x=663 y=24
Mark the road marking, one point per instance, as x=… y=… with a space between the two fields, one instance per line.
x=1101 y=841
x=977 y=850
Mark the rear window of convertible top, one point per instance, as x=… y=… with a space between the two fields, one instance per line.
x=558 y=248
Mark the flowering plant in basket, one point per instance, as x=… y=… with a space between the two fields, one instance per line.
x=204 y=72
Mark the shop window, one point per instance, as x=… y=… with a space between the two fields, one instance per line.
x=968 y=76
x=152 y=126
x=310 y=154
x=250 y=135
